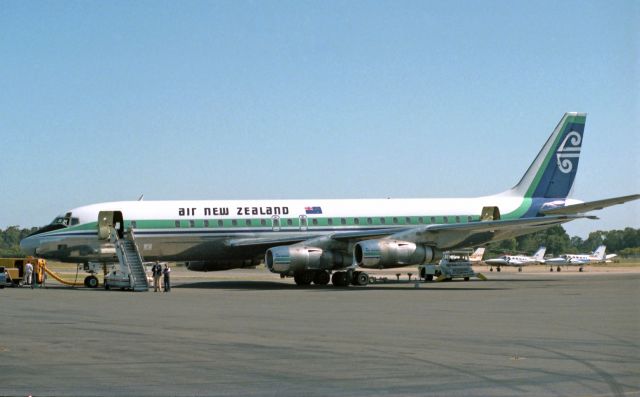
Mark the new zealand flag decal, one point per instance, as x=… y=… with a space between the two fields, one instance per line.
x=313 y=210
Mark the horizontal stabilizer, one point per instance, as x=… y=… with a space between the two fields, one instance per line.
x=590 y=205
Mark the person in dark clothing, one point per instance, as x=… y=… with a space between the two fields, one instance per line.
x=167 y=282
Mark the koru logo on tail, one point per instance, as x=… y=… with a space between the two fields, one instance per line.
x=569 y=148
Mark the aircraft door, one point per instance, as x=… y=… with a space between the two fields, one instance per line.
x=108 y=220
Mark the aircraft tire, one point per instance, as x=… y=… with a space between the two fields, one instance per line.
x=466 y=279
x=361 y=278
x=581 y=269
x=91 y=281
x=558 y=269
x=498 y=269
x=551 y=269
x=429 y=277
x=106 y=286
x=520 y=269
x=322 y=277
x=339 y=279
x=303 y=278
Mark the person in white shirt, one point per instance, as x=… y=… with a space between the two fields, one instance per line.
x=28 y=274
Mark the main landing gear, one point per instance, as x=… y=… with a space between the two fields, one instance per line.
x=338 y=279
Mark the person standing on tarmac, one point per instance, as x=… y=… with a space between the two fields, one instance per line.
x=156 y=270
x=167 y=282
x=28 y=274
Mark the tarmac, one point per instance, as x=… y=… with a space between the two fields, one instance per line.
x=248 y=333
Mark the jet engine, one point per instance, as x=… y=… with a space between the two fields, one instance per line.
x=386 y=253
x=289 y=259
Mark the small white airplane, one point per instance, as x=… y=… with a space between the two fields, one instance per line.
x=597 y=256
x=517 y=260
x=318 y=240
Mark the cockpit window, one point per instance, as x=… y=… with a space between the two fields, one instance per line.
x=59 y=222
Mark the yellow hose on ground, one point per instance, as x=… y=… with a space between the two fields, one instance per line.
x=60 y=279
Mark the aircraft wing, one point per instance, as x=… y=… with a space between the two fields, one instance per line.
x=340 y=236
x=460 y=235
x=442 y=236
x=590 y=205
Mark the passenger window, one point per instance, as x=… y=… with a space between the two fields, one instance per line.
x=383 y=221
x=457 y=219
x=234 y=222
x=330 y=221
x=433 y=219
x=177 y=223
x=74 y=221
x=314 y=221
x=206 y=223
x=133 y=224
x=343 y=221
x=369 y=221
x=356 y=221
x=192 y=223
x=220 y=223
x=247 y=222
x=445 y=219
x=421 y=220
x=289 y=222
x=395 y=220
x=407 y=220
x=469 y=219
x=263 y=222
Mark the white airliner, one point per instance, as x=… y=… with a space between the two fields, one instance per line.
x=597 y=256
x=517 y=260
x=326 y=240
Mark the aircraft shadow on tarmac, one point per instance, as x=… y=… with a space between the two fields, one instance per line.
x=272 y=285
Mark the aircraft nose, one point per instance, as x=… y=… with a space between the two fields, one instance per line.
x=28 y=245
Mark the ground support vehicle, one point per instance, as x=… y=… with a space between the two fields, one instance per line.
x=449 y=268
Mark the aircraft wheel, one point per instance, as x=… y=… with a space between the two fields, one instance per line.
x=339 y=279
x=551 y=269
x=520 y=269
x=429 y=277
x=581 y=269
x=558 y=269
x=422 y=272
x=303 y=278
x=322 y=277
x=491 y=269
x=106 y=286
x=498 y=269
x=91 y=281
x=361 y=278
x=466 y=279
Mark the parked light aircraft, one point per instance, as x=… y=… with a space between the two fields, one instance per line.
x=517 y=260
x=326 y=240
x=597 y=256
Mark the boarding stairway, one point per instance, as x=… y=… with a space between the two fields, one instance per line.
x=130 y=260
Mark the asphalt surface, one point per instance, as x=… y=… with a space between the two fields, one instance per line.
x=252 y=335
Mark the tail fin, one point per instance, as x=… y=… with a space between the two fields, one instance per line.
x=599 y=252
x=539 y=255
x=553 y=171
x=477 y=255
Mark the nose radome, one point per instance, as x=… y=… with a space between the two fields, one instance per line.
x=28 y=245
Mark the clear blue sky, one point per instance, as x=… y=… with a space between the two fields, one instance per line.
x=108 y=100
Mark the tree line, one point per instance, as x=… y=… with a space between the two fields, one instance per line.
x=623 y=242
